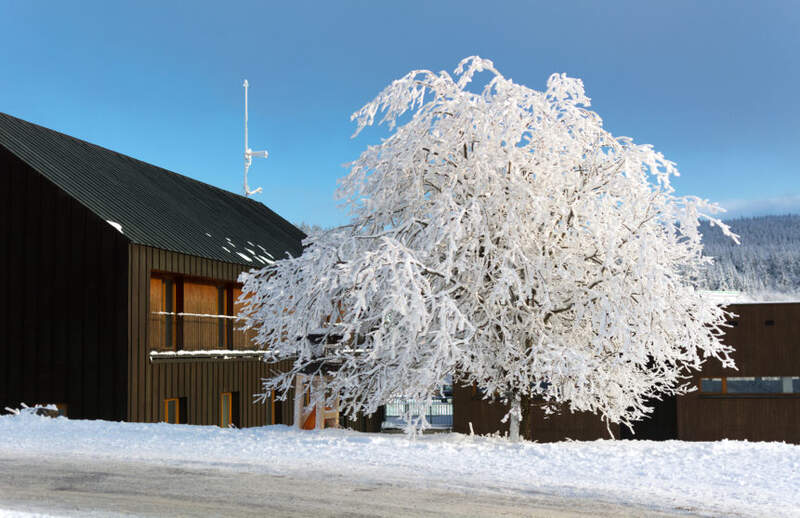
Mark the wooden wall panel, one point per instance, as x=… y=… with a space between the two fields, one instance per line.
x=760 y=350
x=486 y=419
x=28 y=297
x=63 y=338
x=202 y=381
x=199 y=380
x=6 y=220
x=751 y=418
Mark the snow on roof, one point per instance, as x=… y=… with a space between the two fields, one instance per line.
x=729 y=297
x=115 y=225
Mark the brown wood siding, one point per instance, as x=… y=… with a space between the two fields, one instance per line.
x=760 y=350
x=63 y=302
x=200 y=380
x=486 y=419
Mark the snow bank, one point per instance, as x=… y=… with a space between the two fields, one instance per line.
x=722 y=478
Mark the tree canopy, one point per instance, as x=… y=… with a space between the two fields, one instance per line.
x=500 y=235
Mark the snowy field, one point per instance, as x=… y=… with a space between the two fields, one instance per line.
x=727 y=478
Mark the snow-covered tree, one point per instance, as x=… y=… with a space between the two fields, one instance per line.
x=503 y=236
x=309 y=228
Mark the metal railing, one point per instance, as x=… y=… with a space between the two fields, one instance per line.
x=439 y=413
x=196 y=332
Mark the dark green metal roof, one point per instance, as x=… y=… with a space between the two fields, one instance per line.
x=154 y=206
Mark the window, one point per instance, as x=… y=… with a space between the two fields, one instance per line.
x=202 y=330
x=175 y=411
x=222 y=323
x=225 y=409
x=163 y=323
x=711 y=385
x=229 y=409
x=194 y=315
x=751 y=385
x=242 y=339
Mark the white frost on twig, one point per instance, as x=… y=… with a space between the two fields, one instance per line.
x=503 y=237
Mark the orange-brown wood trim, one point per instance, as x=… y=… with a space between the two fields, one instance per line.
x=177 y=409
x=222 y=398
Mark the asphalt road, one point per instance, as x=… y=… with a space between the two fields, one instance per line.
x=90 y=487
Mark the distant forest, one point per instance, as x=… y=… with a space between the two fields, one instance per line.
x=767 y=263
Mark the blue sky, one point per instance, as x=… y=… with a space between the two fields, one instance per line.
x=713 y=85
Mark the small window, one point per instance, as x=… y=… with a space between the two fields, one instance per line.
x=769 y=322
x=229 y=409
x=175 y=410
x=713 y=385
x=225 y=409
x=751 y=385
x=755 y=385
x=62 y=409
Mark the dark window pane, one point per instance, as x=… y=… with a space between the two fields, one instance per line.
x=796 y=384
x=755 y=385
x=172 y=411
x=711 y=385
x=169 y=307
x=221 y=334
x=225 y=410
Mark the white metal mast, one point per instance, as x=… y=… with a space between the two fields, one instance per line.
x=249 y=153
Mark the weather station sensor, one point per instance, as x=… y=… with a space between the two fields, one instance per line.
x=249 y=153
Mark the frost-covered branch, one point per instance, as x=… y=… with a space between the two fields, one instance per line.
x=504 y=237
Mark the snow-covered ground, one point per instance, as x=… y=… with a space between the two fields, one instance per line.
x=723 y=478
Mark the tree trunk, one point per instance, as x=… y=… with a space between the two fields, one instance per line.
x=513 y=427
x=526 y=430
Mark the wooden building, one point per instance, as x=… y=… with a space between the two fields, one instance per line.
x=758 y=402
x=120 y=283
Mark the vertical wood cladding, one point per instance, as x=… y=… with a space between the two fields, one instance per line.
x=766 y=339
x=63 y=303
x=486 y=418
x=200 y=380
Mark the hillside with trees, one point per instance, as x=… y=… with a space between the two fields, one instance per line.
x=767 y=262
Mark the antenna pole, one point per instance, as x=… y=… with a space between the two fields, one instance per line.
x=246 y=84
x=248 y=153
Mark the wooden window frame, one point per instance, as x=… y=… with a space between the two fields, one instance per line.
x=230 y=409
x=177 y=410
x=176 y=334
x=226 y=289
